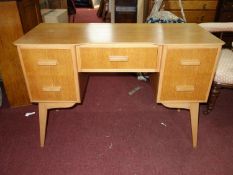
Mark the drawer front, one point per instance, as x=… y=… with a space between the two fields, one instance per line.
x=118 y=58
x=197 y=16
x=194 y=5
x=187 y=74
x=50 y=74
x=226 y=16
x=227 y=5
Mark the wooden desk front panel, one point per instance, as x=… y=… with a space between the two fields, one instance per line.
x=119 y=58
x=50 y=74
x=186 y=73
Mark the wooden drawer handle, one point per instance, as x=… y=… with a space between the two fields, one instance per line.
x=51 y=88
x=190 y=62
x=184 y=88
x=118 y=58
x=47 y=62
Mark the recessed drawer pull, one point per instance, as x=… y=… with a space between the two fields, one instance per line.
x=47 y=62
x=51 y=88
x=118 y=58
x=184 y=88
x=190 y=62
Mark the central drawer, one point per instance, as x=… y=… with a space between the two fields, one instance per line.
x=118 y=58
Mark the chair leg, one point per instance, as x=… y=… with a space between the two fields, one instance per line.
x=214 y=93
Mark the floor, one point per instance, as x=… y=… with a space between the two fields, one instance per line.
x=87 y=15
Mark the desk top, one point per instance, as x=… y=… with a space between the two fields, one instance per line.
x=105 y=33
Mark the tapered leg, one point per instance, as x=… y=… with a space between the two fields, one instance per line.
x=43 y=111
x=194 y=109
x=42 y=122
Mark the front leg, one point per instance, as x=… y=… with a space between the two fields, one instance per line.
x=194 y=110
x=43 y=111
x=43 y=114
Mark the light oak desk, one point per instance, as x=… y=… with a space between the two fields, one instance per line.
x=181 y=57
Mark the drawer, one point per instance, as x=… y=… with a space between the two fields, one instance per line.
x=225 y=16
x=191 y=75
x=118 y=58
x=50 y=74
x=227 y=5
x=191 y=5
x=197 y=16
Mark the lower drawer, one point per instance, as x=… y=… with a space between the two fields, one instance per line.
x=118 y=58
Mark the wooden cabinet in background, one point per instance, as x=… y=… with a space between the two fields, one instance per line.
x=57 y=4
x=17 y=18
x=29 y=12
x=225 y=11
x=126 y=11
x=225 y=14
x=196 y=11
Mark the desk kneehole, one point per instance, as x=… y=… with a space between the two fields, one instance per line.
x=118 y=57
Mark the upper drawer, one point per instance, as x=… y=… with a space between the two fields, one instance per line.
x=227 y=5
x=118 y=58
x=188 y=5
x=197 y=16
x=50 y=74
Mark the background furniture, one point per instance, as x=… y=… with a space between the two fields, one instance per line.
x=225 y=11
x=225 y=14
x=54 y=15
x=0 y=96
x=224 y=74
x=84 y=3
x=17 y=18
x=125 y=11
x=196 y=11
x=182 y=67
x=57 y=4
x=104 y=11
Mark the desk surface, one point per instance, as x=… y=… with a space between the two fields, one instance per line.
x=161 y=34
